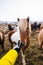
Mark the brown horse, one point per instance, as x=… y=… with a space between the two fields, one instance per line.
x=40 y=38
x=21 y=34
x=24 y=32
x=41 y=27
x=24 y=35
x=9 y=36
x=2 y=38
x=10 y=27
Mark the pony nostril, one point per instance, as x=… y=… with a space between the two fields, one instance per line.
x=25 y=44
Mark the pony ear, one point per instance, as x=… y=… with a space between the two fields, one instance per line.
x=28 y=18
x=18 y=19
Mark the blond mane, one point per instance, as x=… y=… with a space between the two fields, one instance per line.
x=23 y=24
x=1 y=35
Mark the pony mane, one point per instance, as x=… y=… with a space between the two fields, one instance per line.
x=1 y=35
x=23 y=24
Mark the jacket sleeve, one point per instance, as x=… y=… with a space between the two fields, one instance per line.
x=9 y=58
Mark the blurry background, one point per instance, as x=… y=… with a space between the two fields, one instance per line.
x=10 y=10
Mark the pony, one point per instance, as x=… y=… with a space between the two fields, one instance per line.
x=2 y=38
x=41 y=26
x=34 y=26
x=10 y=27
x=23 y=33
x=10 y=33
x=40 y=36
x=38 y=26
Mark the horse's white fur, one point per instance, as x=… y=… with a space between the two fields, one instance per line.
x=15 y=36
x=23 y=24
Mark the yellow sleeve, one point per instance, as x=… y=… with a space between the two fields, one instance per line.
x=9 y=58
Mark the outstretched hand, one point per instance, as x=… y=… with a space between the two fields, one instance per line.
x=18 y=46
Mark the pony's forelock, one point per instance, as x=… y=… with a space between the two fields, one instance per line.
x=23 y=24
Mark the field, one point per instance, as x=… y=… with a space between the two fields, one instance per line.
x=34 y=56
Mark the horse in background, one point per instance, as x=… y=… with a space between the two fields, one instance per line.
x=35 y=26
x=10 y=33
x=2 y=38
x=38 y=26
x=40 y=36
x=10 y=27
x=41 y=26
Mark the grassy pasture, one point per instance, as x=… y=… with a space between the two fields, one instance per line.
x=34 y=56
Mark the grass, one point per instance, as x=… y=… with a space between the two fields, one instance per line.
x=34 y=56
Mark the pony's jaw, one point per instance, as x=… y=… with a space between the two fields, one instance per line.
x=24 y=43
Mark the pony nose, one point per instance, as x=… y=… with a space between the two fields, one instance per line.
x=25 y=42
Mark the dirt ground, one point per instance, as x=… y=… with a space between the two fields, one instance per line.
x=34 y=56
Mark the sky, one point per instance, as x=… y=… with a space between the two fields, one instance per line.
x=10 y=10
